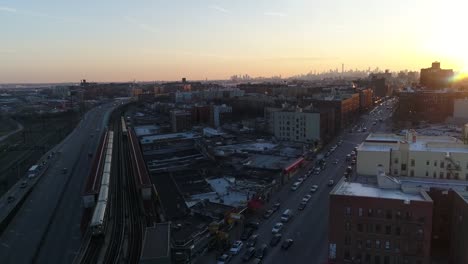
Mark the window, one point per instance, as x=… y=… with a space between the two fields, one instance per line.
x=360 y=211
x=398 y=215
x=377 y=228
x=347 y=226
x=368 y=258
x=388 y=230
x=347 y=256
x=377 y=259
x=397 y=230
x=396 y=161
x=359 y=227
x=347 y=240
x=466 y=176
x=435 y=163
x=427 y=162
x=457 y=175
x=395 y=172
x=369 y=213
x=348 y=211
x=359 y=244
x=403 y=167
x=412 y=162
x=441 y=175
x=434 y=175
x=412 y=173
x=377 y=243
x=386 y=260
x=387 y=245
x=368 y=244
x=467 y=165
x=427 y=173
x=442 y=164
x=369 y=228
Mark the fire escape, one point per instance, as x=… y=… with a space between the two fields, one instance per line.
x=452 y=167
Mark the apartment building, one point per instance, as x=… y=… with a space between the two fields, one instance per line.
x=411 y=155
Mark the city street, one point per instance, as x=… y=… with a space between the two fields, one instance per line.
x=309 y=228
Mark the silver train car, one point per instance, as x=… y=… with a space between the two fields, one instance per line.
x=98 y=221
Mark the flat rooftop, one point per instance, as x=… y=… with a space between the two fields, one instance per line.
x=385 y=142
x=269 y=162
x=172 y=136
x=146 y=130
x=156 y=242
x=369 y=190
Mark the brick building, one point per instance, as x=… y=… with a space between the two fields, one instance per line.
x=370 y=224
x=435 y=78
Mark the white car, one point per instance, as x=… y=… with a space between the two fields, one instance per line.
x=236 y=247
x=306 y=198
x=277 y=228
x=225 y=258
x=313 y=188
x=336 y=161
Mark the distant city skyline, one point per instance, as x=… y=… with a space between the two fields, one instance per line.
x=47 y=41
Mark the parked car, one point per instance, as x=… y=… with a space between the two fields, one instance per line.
x=331 y=182
x=267 y=213
x=276 y=206
x=261 y=251
x=252 y=240
x=336 y=161
x=313 y=188
x=23 y=184
x=275 y=239
x=287 y=244
x=246 y=233
x=225 y=258
x=295 y=185
x=253 y=224
x=248 y=254
x=277 y=228
x=236 y=247
x=302 y=206
x=10 y=199
x=306 y=198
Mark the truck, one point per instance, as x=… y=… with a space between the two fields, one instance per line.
x=32 y=172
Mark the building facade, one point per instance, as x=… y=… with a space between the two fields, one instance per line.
x=411 y=155
x=435 y=78
x=368 y=224
x=181 y=120
x=296 y=125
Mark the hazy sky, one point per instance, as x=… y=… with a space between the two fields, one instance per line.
x=121 y=40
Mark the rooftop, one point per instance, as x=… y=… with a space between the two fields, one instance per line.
x=156 y=242
x=146 y=130
x=172 y=136
x=385 y=142
x=369 y=190
x=269 y=162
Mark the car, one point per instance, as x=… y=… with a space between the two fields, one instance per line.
x=225 y=258
x=348 y=157
x=261 y=251
x=253 y=224
x=306 y=198
x=287 y=244
x=275 y=239
x=276 y=206
x=23 y=184
x=295 y=185
x=331 y=182
x=10 y=199
x=268 y=213
x=252 y=240
x=236 y=247
x=353 y=162
x=277 y=228
x=313 y=188
x=336 y=161
x=335 y=146
x=300 y=179
x=248 y=254
x=327 y=154
x=256 y=261
x=317 y=171
x=339 y=142
x=302 y=206
x=349 y=169
x=246 y=233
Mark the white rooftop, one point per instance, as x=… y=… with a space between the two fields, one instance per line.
x=385 y=142
x=146 y=130
x=153 y=138
x=367 y=190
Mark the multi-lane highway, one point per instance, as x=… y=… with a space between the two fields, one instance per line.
x=46 y=227
x=309 y=228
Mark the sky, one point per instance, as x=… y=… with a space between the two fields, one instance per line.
x=143 y=40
